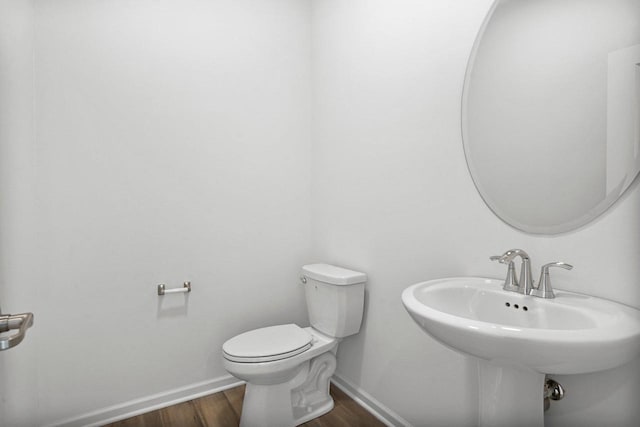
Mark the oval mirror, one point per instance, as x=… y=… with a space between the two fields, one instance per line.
x=551 y=110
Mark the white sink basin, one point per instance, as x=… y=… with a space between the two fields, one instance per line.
x=569 y=334
x=517 y=339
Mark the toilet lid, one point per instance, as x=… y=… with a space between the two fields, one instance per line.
x=267 y=344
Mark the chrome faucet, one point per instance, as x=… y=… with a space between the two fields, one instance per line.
x=510 y=282
x=544 y=289
x=525 y=284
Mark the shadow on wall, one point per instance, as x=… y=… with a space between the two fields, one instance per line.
x=171 y=306
x=356 y=343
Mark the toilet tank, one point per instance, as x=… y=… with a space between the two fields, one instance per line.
x=335 y=299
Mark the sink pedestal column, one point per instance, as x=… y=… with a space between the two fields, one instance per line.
x=509 y=396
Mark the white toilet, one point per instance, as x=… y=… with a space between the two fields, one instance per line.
x=287 y=368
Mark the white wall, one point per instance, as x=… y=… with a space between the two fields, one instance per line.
x=172 y=143
x=17 y=374
x=392 y=196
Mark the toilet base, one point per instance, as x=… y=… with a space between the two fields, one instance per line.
x=311 y=399
x=317 y=411
x=267 y=405
x=294 y=402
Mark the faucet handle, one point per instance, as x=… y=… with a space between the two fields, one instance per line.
x=557 y=264
x=544 y=289
x=510 y=282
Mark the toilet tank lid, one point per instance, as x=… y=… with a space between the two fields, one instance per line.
x=333 y=275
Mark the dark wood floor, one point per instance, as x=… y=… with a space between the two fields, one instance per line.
x=223 y=410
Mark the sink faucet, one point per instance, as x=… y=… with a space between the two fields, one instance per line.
x=525 y=284
x=510 y=282
x=544 y=289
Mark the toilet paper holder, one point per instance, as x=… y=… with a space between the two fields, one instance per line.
x=186 y=287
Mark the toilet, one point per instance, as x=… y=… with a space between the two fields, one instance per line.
x=287 y=368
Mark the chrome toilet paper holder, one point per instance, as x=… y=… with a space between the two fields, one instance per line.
x=186 y=287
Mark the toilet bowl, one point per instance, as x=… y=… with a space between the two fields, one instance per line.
x=286 y=391
x=287 y=368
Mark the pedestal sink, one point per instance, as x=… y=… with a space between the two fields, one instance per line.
x=518 y=339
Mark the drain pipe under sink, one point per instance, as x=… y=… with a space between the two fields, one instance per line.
x=553 y=390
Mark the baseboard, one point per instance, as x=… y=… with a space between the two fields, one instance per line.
x=193 y=391
x=368 y=402
x=149 y=403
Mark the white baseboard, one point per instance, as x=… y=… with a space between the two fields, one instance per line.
x=368 y=402
x=149 y=403
x=193 y=391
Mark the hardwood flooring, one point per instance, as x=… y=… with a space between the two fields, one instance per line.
x=223 y=410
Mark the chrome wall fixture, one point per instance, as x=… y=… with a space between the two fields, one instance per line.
x=186 y=287
x=553 y=390
x=10 y=322
x=526 y=285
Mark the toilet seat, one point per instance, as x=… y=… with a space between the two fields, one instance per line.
x=267 y=344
